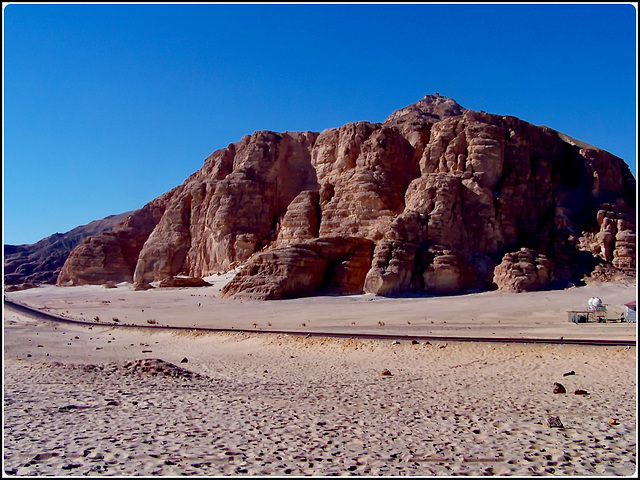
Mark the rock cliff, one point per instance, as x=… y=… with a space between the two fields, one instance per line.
x=437 y=199
x=111 y=256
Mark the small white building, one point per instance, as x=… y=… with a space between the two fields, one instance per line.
x=630 y=312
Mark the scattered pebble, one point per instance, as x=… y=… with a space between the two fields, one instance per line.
x=553 y=422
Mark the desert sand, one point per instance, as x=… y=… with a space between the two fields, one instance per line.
x=106 y=400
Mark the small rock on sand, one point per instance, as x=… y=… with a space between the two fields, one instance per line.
x=559 y=388
x=553 y=422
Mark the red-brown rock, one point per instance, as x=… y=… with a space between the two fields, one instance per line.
x=111 y=256
x=41 y=262
x=178 y=282
x=329 y=264
x=433 y=200
x=523 y=271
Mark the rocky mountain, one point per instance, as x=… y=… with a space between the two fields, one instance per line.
x=41 y=262
x=436 y=199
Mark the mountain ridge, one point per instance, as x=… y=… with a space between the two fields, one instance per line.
x=433 y=199
x=40 y=262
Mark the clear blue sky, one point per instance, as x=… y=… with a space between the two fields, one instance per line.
x=107 y=106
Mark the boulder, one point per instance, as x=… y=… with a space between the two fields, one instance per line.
x=522 y=271
x=329 y=265
x=183 y=282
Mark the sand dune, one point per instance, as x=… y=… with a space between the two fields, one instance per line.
x=80 y=401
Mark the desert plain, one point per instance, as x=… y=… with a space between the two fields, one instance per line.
x=122 y=395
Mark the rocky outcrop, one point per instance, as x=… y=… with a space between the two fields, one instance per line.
x=523 y=271
x=324 y=265
x=492 y=184
x=301 y=221
x=179 y=282
x=434 y=199
x=111 y=256
x=363 y=171
x=615 y=240
x=41 y=262
x=230 y=209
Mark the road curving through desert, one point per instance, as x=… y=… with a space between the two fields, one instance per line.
x=42 y=315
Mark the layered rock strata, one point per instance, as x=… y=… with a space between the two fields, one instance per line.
x=434 y=199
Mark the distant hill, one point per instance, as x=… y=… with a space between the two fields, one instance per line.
x=40 y=263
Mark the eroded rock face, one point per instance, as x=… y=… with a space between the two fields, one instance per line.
x=231 y=208
x=328 y=265
x=615 y=241
x=433 y=199
x=363 y=171
x=111 y=256
x=301 y=220
x=523 y=271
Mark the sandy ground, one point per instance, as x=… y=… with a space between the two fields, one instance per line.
x=104 y=400
x=503 y=315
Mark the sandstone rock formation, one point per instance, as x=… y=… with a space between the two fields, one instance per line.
x=41 y=262
x=112 y=256
x=436 y=199
x=523 y=271
x=178 y=282
x=615 y=241
x=328 y=264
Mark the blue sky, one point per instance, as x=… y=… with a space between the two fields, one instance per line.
x=107 y=106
